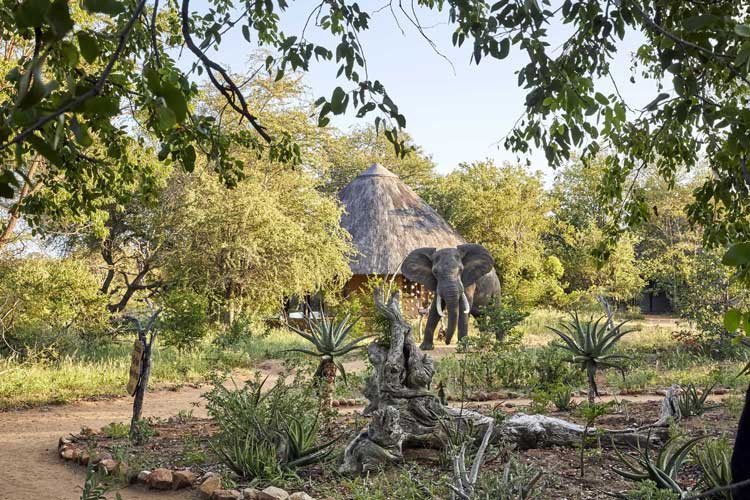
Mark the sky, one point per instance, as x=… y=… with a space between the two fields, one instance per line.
x=457 y=111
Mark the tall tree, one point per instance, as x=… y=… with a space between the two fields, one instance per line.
x=503 y=208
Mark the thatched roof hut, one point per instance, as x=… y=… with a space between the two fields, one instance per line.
x=387 y=220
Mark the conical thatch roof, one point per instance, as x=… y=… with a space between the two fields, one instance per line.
x=387 y=220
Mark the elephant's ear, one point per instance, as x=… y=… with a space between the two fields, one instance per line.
x=417 y=267
x=477 y=262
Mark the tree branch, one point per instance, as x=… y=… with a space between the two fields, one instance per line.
x=94 y=91
x=229 y=89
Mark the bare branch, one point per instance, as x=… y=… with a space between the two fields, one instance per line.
x=228 y=89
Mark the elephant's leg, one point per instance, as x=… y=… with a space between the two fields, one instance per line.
x=433 y=318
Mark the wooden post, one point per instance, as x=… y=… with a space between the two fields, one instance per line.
x=145 y=372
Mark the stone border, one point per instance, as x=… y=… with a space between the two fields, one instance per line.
x=208 y=485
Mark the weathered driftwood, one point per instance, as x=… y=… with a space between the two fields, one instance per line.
x=406 y=413
x=670 y=407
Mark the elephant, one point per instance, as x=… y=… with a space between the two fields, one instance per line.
x=462 y=277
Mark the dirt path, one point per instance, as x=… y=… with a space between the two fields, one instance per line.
x=30 y=468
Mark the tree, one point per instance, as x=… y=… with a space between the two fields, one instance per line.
x=252 y=247
x=88 y=83
x=579 y=226
x=668 y=245
x=503 y=208
x=349 y=154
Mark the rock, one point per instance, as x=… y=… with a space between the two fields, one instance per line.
x=225 y=495
x=509 y=405
x=62 y=442
x=142 y=476
x=210 y=484
x=108 y=465
x=84 y=458
x=300 y=495
x=69 y=453
x=160 y=479
x=183 y=479
x=273 y=493
x=720 y=391
x=250 y=494
x=99 y=456
x=495 y=396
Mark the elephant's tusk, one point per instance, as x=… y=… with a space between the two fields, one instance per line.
x=439 y=305
x=465 y=302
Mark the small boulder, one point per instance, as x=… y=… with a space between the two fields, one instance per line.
x=210 y=484
x=142 y=476
x=273 y=493
x=99 y=456
x=225 y=495
x=62 y=442
x=69 y=453
x=300 y=495
x=182 y=479
x=84 y=458
x=160 y=479
x=250 y=494
x=108 y=465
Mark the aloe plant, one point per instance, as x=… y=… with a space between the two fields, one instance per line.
x=714 y=459
x=591 y=343
x=693 y=403
x=329 y=339
x=663 y=470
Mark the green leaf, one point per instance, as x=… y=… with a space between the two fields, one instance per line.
x=103 y=105
x=337 y=101
x=737 y=255
x=58 y=16
x=601 y=98
x=89 y=46
x=167 y=118
x=652 y=105
x=175 y=100
x=742 y=30
x=694 y=23
x=44 y=149
x=109 y=7
x=31 y=13
x=732 y=319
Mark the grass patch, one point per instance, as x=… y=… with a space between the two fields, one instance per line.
x=102 y=370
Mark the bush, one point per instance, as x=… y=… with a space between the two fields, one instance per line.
x=500 y=318
x=264 y=435
x=184 y=320
x=49 y=304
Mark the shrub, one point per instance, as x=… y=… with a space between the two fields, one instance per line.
x=500 y=318
x=714 y=459
x=49 y=304
x=184 y=320
x=263 y=435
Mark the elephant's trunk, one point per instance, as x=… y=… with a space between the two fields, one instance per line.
x=452 y=296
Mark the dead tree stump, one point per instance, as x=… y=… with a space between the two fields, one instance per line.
x=406 y=413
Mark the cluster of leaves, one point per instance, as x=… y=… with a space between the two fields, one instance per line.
x=693 y=402
x=499 y=318
x=265 y=434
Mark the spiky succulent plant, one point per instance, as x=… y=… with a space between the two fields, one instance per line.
x=591 y=344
